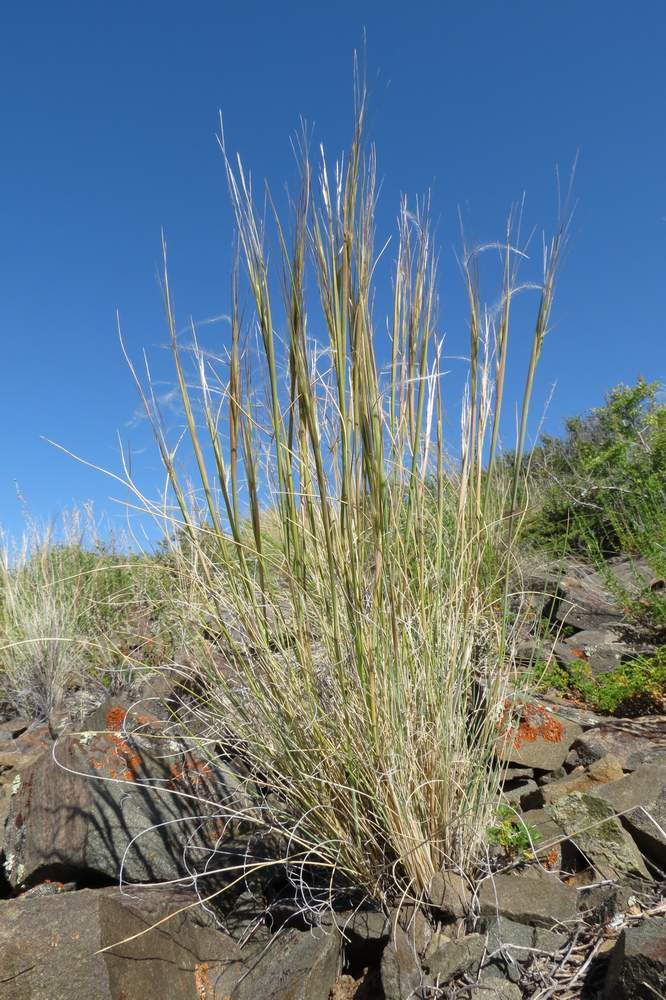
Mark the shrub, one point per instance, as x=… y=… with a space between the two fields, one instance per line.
x=601 y=489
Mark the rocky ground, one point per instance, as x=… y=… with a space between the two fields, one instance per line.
x=571 y=903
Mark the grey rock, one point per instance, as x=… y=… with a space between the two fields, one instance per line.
x=531 y=896
x=591 y=824
x=606 y=770
x=297 y=965
x=599 y=649
x=400 y=969
x=49 y=948
x=449 y=892
x=633 y=741
x=642 y=785
x=541 y=740
x=520 y=939
x=497 y=989
x=519 y=794
x=634 y=575
x=108 y=800
x=637 y=967
x=456 y=957
x=647 y=826
x=585 y=600
x=548 y=843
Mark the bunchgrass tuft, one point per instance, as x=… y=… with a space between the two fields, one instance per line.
x=352 y=575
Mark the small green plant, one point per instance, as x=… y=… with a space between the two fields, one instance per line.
x=637 y=686
x=513 y=833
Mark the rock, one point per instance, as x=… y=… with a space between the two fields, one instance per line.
x=637 y=967
x=547 y=846
x=496 y=989
x=400 y=969
x=520 y=939
x=539 y=739
x=520 y=793
x=297 y=965
x=513 y=772
x=456 y=957
x=449 y=892
x=585 y=602
x=634 y=575
x=48 y=946
x=531 y=896
x=591 y=824
x=108 y=800
x=607 y=769
x=642 y=785
x=647 y=826
x=599 y=649
x=633 y=742
x=12 y=728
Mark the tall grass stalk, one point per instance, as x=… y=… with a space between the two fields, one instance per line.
x=353 y=575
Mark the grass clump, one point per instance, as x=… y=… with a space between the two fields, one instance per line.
x=353 y=577
x=76 y=614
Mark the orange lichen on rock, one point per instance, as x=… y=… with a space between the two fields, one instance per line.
x=115 y=718
x=189 y=768
x=534 y=723
x=550 y=860
x=202 y=981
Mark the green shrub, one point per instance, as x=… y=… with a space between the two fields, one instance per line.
x=602 y=487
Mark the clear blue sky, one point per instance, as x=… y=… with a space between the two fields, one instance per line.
x=108 y=115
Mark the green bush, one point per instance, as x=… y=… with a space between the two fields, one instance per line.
x=601 y=488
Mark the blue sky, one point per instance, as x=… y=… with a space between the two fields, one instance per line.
x=108 y=115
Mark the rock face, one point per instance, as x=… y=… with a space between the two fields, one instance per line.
x=637 y=967
x=538 y=739
x=302 y=966
x=105 y=800
x=591 y=824
x=642 y=741
x=400 y=969
x=531 y=896
x=456 y=957
x=48 y=947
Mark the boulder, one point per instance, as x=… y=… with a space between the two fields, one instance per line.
x=585 y=600
x=497 y=989
x=538 y=738
x=607 y=769
x=519 y=939
x=401 y=973
x=647 y=826
x=548 y=844
x=450 y=893
x=591 y=824
x=531 y=896
x=106 y=800
x=637 y=967
x=49 y=948
x=297 y=965
x=634 y=576
x=599 y=649
x=633 y=741
x=457 y=957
